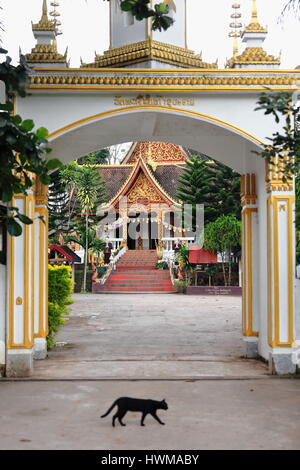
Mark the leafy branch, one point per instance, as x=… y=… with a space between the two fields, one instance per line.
x=22 y=149
x=141 y=9
x=284 y=144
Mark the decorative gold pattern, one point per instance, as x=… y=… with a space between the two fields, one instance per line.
x=253 y=55
x=142 y=189
x=164 y=81
x=276 y=177
x=248 y=189
x=149 y=50
x=41 y=193
x=160 y=152
x=44 y=24
x=255 y=28
x=46 y=53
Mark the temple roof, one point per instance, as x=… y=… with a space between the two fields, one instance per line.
x=152 y=167
x=149 y=50
x=156 y=152
x=253 y=56
x=117 y=175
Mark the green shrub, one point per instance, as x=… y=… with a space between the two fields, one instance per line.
x=60 y=289
x=60 y=284
x=162 y=265
x=55 y=320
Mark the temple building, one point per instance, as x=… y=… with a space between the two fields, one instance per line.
x=142 y=191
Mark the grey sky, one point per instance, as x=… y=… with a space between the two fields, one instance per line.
x=86 y=29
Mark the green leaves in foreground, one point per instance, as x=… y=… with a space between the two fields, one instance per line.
x=23 y=150
x=141 y=9
x=284 y=143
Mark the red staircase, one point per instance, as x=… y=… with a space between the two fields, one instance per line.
x=136 y=272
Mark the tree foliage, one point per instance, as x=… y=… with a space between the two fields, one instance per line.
x=285 y=143
x=86 y=187
x=223 y=236
x=141 y=9
x=210 y=183
x=22 y=149
x=99 y=157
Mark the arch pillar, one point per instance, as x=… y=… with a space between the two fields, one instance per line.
x=41 y=270
x=20 y=294
x=250 y=260
x=281 y=269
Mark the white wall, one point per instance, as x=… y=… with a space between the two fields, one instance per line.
x=124 y=29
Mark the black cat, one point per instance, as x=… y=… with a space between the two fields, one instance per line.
x=136 y=404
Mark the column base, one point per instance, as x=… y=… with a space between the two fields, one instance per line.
x=40 y=349
x=282 y=364
x=19 y=363
x=251 y=347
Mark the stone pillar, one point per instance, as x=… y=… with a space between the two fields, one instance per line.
x=250 y=264
x=21 y=289
x=41 y=271
x=281 y=269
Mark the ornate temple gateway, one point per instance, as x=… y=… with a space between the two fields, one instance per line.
x=149 y=87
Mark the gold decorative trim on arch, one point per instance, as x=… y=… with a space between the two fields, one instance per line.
x=159 y=81
x=114 y=112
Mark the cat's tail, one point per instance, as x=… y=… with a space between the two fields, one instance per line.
x=109 y=410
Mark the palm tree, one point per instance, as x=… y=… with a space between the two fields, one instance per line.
x=89 y=193
x=85 y=186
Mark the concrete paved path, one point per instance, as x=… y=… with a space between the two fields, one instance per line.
x=157 y=336
x=207 y=414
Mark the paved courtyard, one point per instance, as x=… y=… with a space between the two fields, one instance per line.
x=187 y=350
x=206 y=414
x=150 y=336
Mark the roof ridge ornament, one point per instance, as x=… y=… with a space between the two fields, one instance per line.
x=254 y=25
x=44 y=24
x=254 y=55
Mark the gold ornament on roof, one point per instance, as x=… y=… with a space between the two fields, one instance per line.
x=55 y=14
x=235 y=26
x=149 y=50
x=44 y=24
x=254 y=26
x=46 y=53
x=255 y=55
x=143 y=189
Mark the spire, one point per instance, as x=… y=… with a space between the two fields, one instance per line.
x=254 y=12
x=45 y=53
x=45 y=10
x=254 y=56
x=44 y=24
x=254 y=25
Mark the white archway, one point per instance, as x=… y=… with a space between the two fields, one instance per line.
x=268 y=257
x=216 y=138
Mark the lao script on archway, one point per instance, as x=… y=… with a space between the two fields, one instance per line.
x=148 y=100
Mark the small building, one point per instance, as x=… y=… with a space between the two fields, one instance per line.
x=62 y=254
